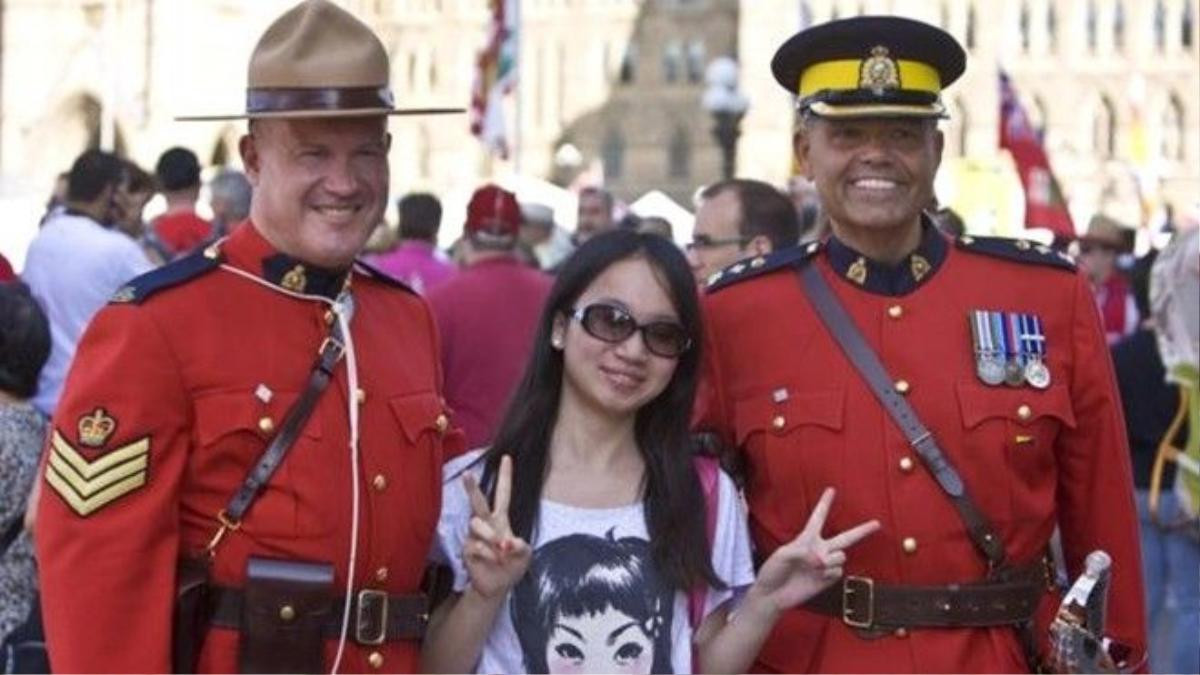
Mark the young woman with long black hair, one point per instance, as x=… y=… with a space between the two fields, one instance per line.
x=588 y=536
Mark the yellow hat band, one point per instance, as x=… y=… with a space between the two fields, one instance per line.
x=846 y=74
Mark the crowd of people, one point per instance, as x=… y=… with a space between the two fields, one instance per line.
x=833 y=432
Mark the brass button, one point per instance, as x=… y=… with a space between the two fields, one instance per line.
x=381 y=574
x=287 y=613
x=266 y=425
x=360 y=396
x=909 y=544
x=375 y=659
x=902 y=386
x=779 y=422
x=1024 y=412
x=379 y=482
x=906 y=464
x=442 y=423
x=895 y=311
x=901 y=633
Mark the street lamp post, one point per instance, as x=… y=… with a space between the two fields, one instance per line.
x=727 y=105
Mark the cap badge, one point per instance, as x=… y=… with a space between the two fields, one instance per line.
x=879 y=72
x=94 y=429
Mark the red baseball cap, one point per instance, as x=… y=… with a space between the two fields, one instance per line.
x=493 y=216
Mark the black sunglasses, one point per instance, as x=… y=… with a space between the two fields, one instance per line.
x=613 y=324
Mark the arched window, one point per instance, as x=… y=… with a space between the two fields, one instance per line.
x=1187 y=24
x=628 y=61
x=1023 y=24
x=970 y=32
x=696 y=54
x=1160 y=24
x=1172 y=130
x=672 y=61
x=1118 y=26
x=612 y=153
x=1104 y=129
x=679 y=154
x=1092 y=19
x=1051 y=25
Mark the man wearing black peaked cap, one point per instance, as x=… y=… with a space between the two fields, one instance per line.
x=958 y=390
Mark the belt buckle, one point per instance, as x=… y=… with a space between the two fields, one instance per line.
x=371 y=617
x=851 y=587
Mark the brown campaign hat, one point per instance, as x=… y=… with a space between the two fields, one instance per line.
x=318 y=60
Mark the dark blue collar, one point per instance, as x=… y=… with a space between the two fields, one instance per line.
x=902 y=278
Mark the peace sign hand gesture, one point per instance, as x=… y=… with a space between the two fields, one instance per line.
x=495 y=559
x=803 y=567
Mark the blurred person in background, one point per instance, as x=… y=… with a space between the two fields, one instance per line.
x=1099 y=250
x=550 y=243
x=1169 y=560
x=24 y=347
x=595 y=214
x=58 y=196
x=229 y=198
x=136 y=190
x=180 y=229
x=77 y=261
x=656 y=225
x=486 y=315
x=739 y=219
x=416 y=260
x=804 y=197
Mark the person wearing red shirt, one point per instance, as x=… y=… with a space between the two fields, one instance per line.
x=180 y=230
x=487 y=314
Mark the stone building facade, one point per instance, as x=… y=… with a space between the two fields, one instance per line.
x=610 y=89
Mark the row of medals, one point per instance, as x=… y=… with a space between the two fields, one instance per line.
x=1011 y=366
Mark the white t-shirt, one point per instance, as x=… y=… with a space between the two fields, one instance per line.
x=592 y=600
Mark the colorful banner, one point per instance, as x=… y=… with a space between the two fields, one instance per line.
x=495 y=77
x=1044 y=203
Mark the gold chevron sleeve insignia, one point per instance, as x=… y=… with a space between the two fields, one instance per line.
x=90 y=486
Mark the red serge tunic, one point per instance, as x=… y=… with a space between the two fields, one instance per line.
x=780 y=390
x=174 y=393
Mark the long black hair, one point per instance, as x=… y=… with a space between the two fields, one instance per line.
x=673 y=500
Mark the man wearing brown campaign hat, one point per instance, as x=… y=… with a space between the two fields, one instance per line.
x=958 y=390
x=249 y=445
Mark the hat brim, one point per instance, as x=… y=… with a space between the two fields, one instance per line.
x=823 y=109
x=322 y=113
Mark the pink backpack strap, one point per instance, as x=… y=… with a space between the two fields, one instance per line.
x=708 y=470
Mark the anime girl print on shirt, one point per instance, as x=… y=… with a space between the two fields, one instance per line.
x=593 y=605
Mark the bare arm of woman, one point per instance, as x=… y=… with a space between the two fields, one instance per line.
x=495 y=561
x=728 y=642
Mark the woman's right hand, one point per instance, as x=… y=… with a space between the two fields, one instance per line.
x=495 y=559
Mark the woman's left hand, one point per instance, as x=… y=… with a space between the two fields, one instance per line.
x=803 y=567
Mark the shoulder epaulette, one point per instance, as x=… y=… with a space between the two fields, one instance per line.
x=1018 y=250
x=172 y=274
x=748 y=269
x=384 y=277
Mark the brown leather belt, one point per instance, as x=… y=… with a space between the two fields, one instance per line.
x=375 y=616
x=862 y=603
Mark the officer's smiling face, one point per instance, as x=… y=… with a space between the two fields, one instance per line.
x=320 y=185
x=871 y=173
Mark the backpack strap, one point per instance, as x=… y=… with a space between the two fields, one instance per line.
x=708 y=470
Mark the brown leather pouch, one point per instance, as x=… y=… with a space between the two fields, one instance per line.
x=286 y=606
x=191 y=616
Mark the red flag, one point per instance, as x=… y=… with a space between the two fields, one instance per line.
x=1044 y=202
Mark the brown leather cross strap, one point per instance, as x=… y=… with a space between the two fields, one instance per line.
x=860 y=602
x=375 y=616
x=867 y=363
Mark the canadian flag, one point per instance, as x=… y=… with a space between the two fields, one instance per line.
x=1044 y=202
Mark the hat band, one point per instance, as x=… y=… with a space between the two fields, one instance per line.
x=276 y=100
x=845 y=74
